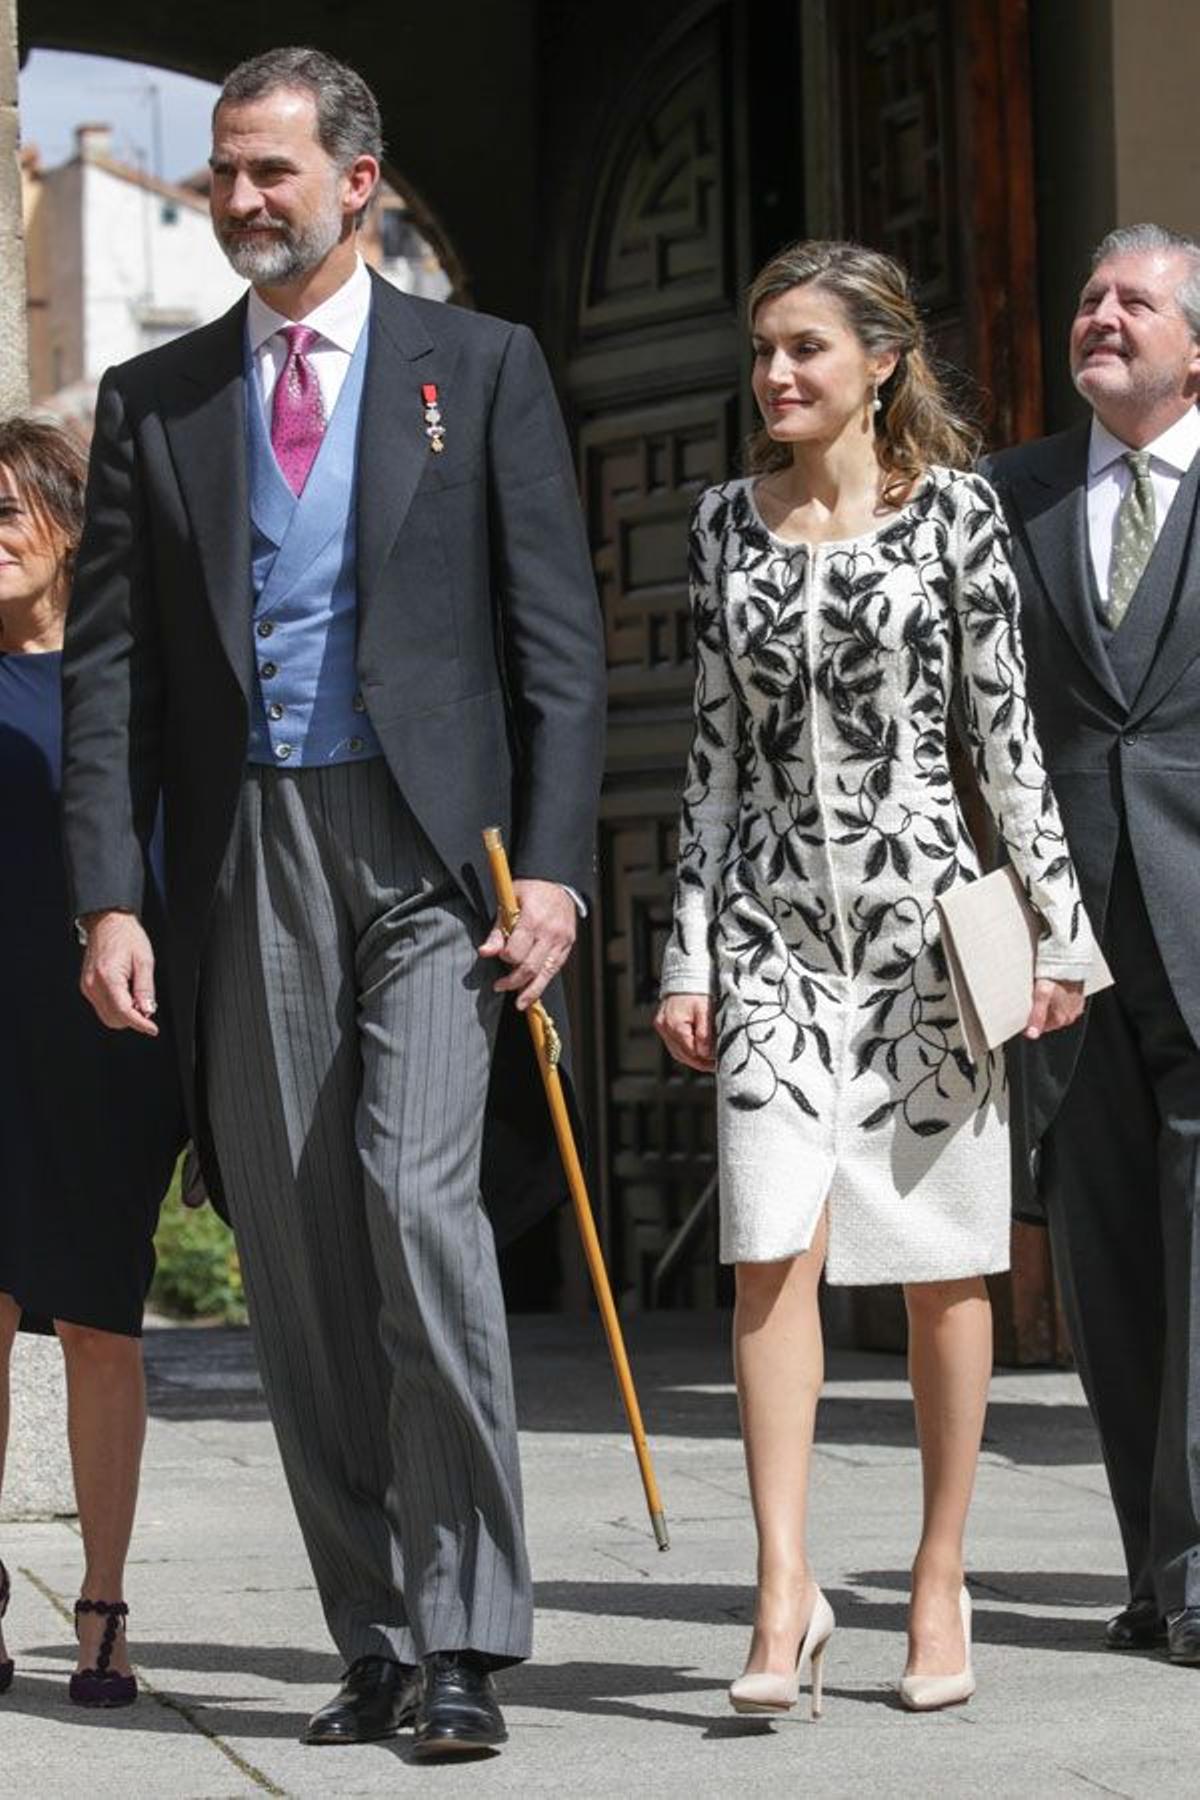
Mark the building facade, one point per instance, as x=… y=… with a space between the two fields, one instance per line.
x=118 y=261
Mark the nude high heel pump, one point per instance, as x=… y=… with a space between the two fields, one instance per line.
x=769 y=1693
x=926 y=1693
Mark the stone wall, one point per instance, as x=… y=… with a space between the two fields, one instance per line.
x=13 y=375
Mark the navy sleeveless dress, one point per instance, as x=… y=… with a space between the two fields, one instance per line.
x=91 y=1120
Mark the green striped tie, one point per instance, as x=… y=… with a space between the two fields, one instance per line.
x=1133 y=538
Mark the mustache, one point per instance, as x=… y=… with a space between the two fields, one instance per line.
x=245 y=226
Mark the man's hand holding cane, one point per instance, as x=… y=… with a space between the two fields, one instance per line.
x=539 y=943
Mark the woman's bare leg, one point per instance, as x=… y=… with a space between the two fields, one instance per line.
x=779 y=1361
x=950 y=1365
x=10 y=1318
x=106 y=1426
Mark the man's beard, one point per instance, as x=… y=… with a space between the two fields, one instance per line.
x=1143 y=388
x=290 y=252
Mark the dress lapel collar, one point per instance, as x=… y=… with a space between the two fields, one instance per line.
x=1179 y=643
x=1052 y=504
x=392 y=444
x=204 y=415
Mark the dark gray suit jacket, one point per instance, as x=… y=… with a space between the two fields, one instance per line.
x=480 y=653
x=1118 y=718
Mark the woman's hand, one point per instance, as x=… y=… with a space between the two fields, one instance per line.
x=1055 y=1004
x=684 y=1022
x=117 y=977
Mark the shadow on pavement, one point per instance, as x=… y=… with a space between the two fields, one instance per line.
x=267 y=1662
x=565 y=1384
x=1026 y=1587
x=690 y=1602
x=624 y=1690
x=630 y=1690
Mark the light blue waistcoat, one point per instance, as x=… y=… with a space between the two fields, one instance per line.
x=307 y=710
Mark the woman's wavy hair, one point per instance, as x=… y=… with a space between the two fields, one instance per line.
x=917 y=424
x=49 y=467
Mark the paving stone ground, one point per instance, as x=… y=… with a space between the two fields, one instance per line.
x=634 y=1648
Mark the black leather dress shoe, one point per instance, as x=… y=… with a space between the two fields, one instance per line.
x=459 y=1712
x=1140 y=1626
x=1183 y=1636
x=378 y=1697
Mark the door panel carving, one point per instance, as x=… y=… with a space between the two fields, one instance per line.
x=657 y=249
x=937 y=168
x=899 y=125
x=658 y=254
x=641 y=472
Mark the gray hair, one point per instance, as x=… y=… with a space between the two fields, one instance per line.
x=348 y=121
x=1134 y=240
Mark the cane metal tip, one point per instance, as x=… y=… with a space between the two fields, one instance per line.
x=659 y=1522
x=493 y=837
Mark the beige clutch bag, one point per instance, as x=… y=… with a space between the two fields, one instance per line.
x=990 y=934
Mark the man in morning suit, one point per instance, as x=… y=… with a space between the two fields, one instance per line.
x=1106 y=541
x=334 y=605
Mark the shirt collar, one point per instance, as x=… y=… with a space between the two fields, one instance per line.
x=1176 y=447
x=340 y=319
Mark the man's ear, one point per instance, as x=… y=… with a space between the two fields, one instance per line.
x=1192 y=384
x=362 y=179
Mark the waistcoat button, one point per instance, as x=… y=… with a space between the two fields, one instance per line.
x=283 y=751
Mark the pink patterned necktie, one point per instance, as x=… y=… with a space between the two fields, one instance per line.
x=297 y=414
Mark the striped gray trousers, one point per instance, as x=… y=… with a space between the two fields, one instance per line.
x=346 y=1033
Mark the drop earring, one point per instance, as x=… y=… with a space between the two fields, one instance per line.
x=876 y=402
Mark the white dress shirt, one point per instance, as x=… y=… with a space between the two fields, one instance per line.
x=340 y=321
x=1109 y=479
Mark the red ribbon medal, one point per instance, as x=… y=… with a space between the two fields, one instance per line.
x=435 y=431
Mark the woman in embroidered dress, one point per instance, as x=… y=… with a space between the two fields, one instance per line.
x=849 y=596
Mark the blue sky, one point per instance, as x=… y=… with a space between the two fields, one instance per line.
x=60 y=89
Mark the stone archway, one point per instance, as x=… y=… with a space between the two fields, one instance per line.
x=654 y=375
x=460 y=130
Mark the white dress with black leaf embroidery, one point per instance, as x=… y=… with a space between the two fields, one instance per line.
x=819 y=827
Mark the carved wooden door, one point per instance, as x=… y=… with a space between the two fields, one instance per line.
x=934 y=163
x=654 y=381
x=885 y=119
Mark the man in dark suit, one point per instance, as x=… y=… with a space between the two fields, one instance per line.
x=334 y=608
x=1106 y=543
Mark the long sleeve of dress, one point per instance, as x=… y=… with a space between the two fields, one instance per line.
x=1001 y=733
x=709 y=810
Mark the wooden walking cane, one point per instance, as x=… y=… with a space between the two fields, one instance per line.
x=548 y=1047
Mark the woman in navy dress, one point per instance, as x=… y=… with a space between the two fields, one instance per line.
x=90 y=1121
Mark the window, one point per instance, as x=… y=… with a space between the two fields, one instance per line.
x=159 y=326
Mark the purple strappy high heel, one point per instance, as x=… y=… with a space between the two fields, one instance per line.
x=103 y=1686
x=6 y=1668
